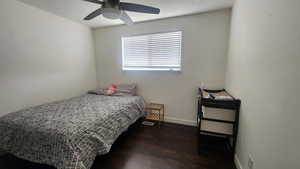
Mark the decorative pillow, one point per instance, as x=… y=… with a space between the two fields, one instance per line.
x=116 y=90
x=126 y=89
x=100 y=91
x=111 y=90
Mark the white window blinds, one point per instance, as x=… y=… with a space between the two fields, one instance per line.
x=160 y=51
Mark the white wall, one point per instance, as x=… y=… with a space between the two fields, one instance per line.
x=263 y=70
x=43 y=57
x=205 y=44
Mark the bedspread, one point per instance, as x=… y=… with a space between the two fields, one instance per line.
x=69 y=134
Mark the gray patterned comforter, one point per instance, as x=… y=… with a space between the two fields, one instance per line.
x=69 y=134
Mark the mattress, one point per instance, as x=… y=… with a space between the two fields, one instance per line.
x=69 y=134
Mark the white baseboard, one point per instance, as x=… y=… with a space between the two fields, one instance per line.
x=237 y=162
x=180 y=121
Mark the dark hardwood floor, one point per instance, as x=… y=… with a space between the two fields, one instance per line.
x=169 y=146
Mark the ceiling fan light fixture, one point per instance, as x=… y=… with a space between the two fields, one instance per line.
x=111 y=13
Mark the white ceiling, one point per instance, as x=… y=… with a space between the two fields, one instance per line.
x=77 y=9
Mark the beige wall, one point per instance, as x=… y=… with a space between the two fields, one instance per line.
x=205 y=40
x=43 y=57
x=263 y=70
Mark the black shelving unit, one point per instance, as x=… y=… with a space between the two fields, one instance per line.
x=210 y=102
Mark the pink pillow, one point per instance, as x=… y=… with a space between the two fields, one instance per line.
x=111 y=90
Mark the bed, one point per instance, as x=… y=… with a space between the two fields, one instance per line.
x=69 y=134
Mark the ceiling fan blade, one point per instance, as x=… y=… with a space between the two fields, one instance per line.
x=125 y=18
x=94 y=14
x=138 y=8
x=95 y=1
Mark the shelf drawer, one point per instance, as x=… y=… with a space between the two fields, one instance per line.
x=217 y=127
x=218 y=114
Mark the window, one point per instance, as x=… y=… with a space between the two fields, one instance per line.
x=160 y=51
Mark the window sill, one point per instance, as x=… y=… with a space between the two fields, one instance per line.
x=153 y=69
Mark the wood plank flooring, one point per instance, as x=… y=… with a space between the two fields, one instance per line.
x=169 y=146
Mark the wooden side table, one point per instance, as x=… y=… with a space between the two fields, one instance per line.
x=155 y=111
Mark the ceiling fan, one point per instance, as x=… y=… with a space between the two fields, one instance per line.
x=114 y=9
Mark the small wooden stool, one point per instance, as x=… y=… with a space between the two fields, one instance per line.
x=155 y=111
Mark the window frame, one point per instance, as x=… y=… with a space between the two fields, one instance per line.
x=159 y=67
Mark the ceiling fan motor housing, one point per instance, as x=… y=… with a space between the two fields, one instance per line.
x=111 y=9
x=111 y=4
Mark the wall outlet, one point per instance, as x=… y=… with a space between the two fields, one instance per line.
x=250 y=162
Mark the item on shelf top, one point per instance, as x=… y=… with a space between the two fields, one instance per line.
x=216 y=94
